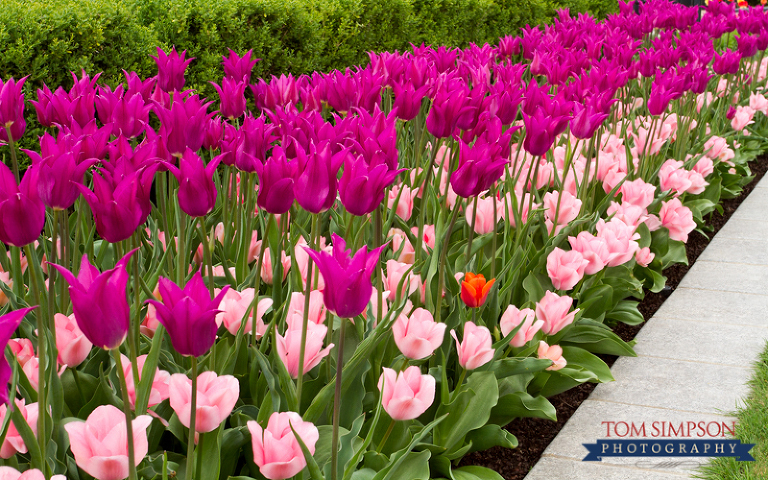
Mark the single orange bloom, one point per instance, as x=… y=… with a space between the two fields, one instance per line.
x=474 y=289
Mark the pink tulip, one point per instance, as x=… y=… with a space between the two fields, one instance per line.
x=23 y=349
x=72 y=344
x=620 y=239
x=552 y=309
x=593 y=249
x=10 y=473
x=150 y=322
x=704 y=166
x=254 y=247
x=407 y=394
x=399 y=240
x=677 y=218
x=403 y=206
x=301 y=258
x=742 y=118
x=554 y=353
x=429 y=236
x=5 y=277
x=288 y=346
x=233 y=306
x=758 y=103
x=419 y=335
x=637 y=192
x=476 y=348
x=485 y=215
x=160 y=389
x=717 y=148
x=568 y=210
x=266 y=266
x=395 y=272
x=216 y=397
x=643 y=257
x=13 y=442
x=513 y=317
x=632 y=215
x=317 y=310
x=565 y=269
x=100 y=444
x=276 y=450
x=524 y=205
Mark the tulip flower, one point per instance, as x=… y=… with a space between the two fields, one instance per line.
x=552 y=309
x=10 y=473
x=130 y=116
x=315 y=183
x=362 y=185
x=189 y=315
x=512 y=317
x=232 y=96
x=565 y=269
x=277 y=183
x=474 y=289
x=644 y=256
x=8 y=324
x=13 y=442
x=12 y=109
x=407 y=394
x=197 y=191
x=317 y=311
x=593 y=249
x=554 y=353
x=119 y=205
x=182 y=124
x=100 y=443
x=620 y=239
x=395 y=272
x=289 y=346
x=160 y=381
x=726 y=63
x=476 y=348
x=170 y=69
x=216 y=397
x=71 y=342
x=480 y=166
x=677 y=218
x=57 y=177
x=99 y=301
x=417 y=335
x=21 y=210
x=348 y=279
x=239 y=68
x=275 y=449
x=23 y=349
x=233 y=306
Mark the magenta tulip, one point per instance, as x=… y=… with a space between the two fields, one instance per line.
x=22 y=213
x=239 y=68
x=12 y=109
x=197 y=191
x=170 y=69
x=8 y=324
x=348 y=279
x=99 y=301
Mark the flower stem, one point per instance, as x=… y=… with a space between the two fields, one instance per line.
x=386 y=436
x=257 y=280
x=12 y=146
x=42 y=398
x=127 y=411
x=471 y=235
x=459 y=384
x=305 y=316
x=192 y=416
x=337 y=401
x=441 y=265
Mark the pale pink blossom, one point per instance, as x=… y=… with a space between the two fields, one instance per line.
x=553 y=310
x=100 y=444
x=266 y=266
x=593 y=249
x=10 y=473
x=644 y=257
x=554 y=353
x=565 y=269
x=677 y=218
x=276 y=451
x=14 y=443
x=216 y=397
x=233 y=306
x=621 y=240
x=758 y=103
x=397 y=272
x=23 y=349
x=484 y=221
x=632 y=215
x=401 y=199
x=561 y=208
x=159 y=390
x=401 y=244
x=71 y=343
x=476 y=348
x=289 y=346
x=742 y=118
x=317 y=311
x=512 y=317
x=418 y=335
x=406 y=395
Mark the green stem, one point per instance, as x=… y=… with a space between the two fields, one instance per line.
x=127 y=410
x=42 y=397
x=12 y=146
x=337 y=401
x=459 y=384
x=471 y=236
x=305 y=316
x=257 y=280
x=192 y=417
x=441 y=267
x=386 y=436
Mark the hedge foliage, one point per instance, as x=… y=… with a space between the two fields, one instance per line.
x=46 y=39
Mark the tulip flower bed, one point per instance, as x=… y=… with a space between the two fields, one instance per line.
x=369 y=273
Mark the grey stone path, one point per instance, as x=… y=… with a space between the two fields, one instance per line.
x=694 y=358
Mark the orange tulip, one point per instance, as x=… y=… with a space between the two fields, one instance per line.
x=474 y=289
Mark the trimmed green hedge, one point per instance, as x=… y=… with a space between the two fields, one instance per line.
x=48 y=38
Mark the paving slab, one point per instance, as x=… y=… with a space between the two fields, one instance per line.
x=716 y=306
x=729 y=277
x=753 y=251
x=726 y=344
x=550 y=468
x=596 y=419
x=744 y=229
x=753 y=207
x=675 y=385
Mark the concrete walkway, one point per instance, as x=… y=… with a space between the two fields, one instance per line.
x=694 y=358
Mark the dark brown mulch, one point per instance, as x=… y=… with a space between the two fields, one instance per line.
x=534 y=434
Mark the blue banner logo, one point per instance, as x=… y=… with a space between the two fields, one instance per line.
x=668 y=448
